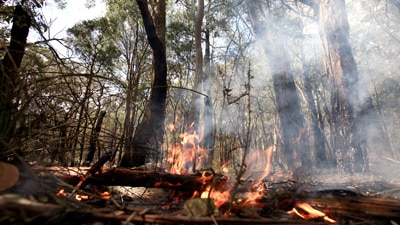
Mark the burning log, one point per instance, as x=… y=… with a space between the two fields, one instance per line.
x=358 y=207
x=139 y=178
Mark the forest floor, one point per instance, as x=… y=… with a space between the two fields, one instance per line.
x=375 y=194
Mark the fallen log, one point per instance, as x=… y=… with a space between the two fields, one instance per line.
x=360 y=206
x=356 y=207
x=136 y=178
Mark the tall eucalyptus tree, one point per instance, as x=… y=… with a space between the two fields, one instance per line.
x=151 y=129
x=351 y=104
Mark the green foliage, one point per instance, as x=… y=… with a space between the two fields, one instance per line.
x=89 y=40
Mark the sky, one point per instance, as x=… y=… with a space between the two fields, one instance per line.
x=62 y=19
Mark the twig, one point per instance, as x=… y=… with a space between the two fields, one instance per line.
x=93 y=170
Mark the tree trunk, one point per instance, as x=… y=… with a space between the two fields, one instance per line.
x=9 y=75
x=133 y=77
x=151 y=129
x=295 y=144
x=94 y=138
x=318 y=136
x=208 y=118
x=347 y=109
x=201 y=110
x=197 y=103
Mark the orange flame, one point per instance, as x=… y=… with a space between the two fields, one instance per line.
x=220 y=198
x=311 y=213
x=260 y=160
x=253 y=197
x=186 y=156
x=298 y=138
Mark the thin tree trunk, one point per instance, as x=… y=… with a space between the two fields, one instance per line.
x=208 y=118
x=94 y=139
x=319 y=149
x=83 y=112
x=197 y=103
x=201 y=109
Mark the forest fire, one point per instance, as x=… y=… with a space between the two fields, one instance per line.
x=229 y=193
x=186 y=154
x=86 y=108
x=97 y=194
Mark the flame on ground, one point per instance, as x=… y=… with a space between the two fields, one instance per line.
x=186 y=156
x=220 y=198
x=258 y=160
x=104 y=195
x=311 y=213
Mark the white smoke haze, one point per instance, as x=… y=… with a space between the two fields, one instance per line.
x=374 y=33
x=376 y=50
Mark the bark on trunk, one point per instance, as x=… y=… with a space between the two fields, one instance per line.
x=348 y=135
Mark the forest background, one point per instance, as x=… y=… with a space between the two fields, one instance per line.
x=316 y=80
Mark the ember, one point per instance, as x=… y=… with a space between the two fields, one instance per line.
x=104 y=195
x=62 y=193
x=81 y=197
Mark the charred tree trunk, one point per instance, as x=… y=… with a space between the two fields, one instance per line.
x=9 y=75
x=295 y=142
x=347 y=110
x=151 y=130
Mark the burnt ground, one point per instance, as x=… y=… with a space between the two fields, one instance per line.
x=381 y=181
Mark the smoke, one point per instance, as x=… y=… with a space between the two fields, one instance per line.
x=374 y=47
